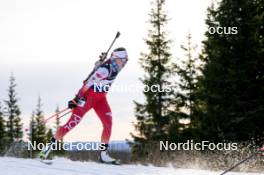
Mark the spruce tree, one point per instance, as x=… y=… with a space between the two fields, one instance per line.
x=12 y=112
x=2 y=131
x=49 y=135
x=233 y=76
x=31 y=134
x=39 y=128
x=153 y=114
x=32 y=125
x=57 y=121
x=187 y=71
x=59 y=152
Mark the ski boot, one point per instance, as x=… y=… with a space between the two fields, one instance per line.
x=43 y=155
x=106 y=158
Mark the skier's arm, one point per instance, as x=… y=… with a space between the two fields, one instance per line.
x=100 y=74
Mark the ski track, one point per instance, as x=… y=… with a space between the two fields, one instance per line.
x=62 y=166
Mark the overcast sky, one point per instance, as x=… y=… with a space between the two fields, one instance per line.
x=51 y=46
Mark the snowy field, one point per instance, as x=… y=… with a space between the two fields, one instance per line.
x=60 y=166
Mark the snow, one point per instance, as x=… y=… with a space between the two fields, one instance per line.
x=61 y=166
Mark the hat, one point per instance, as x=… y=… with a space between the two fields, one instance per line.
x=120 y=53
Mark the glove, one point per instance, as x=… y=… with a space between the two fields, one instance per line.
x=72 y=104
x=77 y=101
x=101 y=59
x=102 y=56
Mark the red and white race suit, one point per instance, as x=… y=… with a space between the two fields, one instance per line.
x=94 y=90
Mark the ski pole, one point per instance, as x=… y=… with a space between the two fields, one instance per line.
x=64 y=114
x=56 y=114
x=239 y=163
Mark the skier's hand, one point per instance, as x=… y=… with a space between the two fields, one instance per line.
x=72 y=104
x=77 y=101
x=102 y=56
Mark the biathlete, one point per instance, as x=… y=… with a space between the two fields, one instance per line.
x=92 y=95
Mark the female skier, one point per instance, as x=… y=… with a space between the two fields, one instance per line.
x=93 y=95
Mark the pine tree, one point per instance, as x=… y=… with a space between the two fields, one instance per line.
x=187 y=71
x=233 y=76
x=59 y=152
x=152 y=115
x=2 y=131
x=49 y=135
x=57 y=122
x=32 y=126
x=12 y=112
x=31 y=134
x=38 y=125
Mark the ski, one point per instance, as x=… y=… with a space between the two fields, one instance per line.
x=116 y=162
x=46 y=161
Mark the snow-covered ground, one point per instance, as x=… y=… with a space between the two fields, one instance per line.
x=60 y=166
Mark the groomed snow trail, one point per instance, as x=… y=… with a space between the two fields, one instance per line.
x=61 y=166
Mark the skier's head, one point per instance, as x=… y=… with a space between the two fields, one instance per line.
x=119 y=58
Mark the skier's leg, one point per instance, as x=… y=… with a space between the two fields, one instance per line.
x=103 y=111
x=74 y=120
x=77 y=114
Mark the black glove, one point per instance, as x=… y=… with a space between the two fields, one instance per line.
x=102 y=56
x=72 y=104
x=77 y=101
